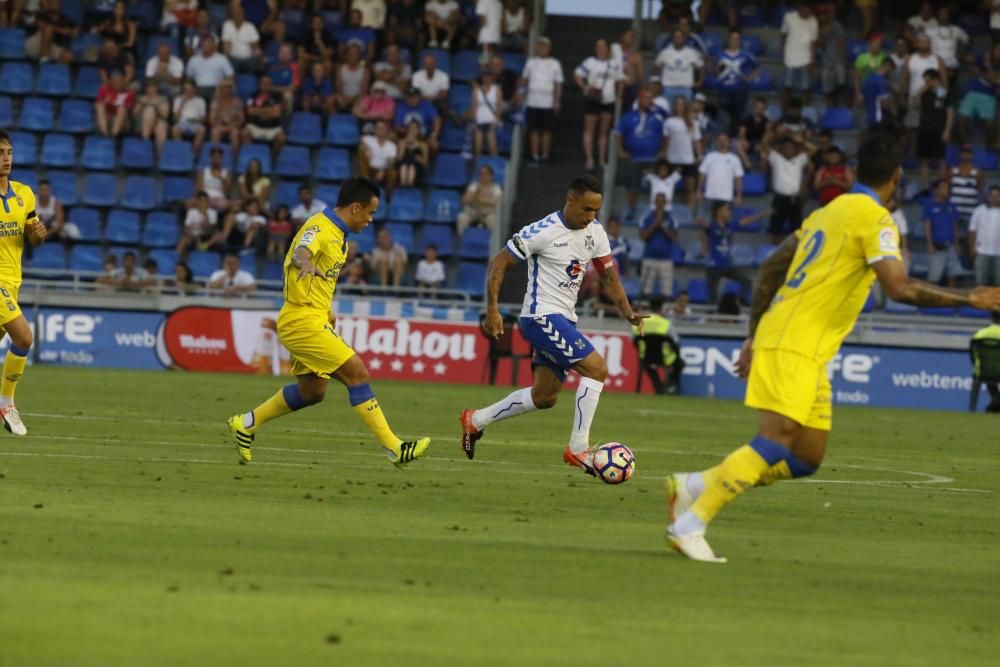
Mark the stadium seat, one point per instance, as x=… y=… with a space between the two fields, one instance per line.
x=838 y=118
x=333 y=164
x=897 y=308
x=475 y=244
x=460 y=97
x=754 y=184
x=327 y=192
x=498 y=164
x=745 y=212
x=100 y=190
x=123 y=227
x=246 y=85
x=984 y=158
x=969 y=311
x=27 y=177
x=12 y=44
x=26 y=148
x=177 y=157
x=698 y=290
x=87 y=221
x=342 y=130
x=53 y=79
x=382 y=212
x=742 y=255
x=273 y=271
x=98 y=153
x=248 y=152
x=203 y=263
x=37 y=114
x=177 y=189
x=166 y=259
x=86 y=258
x=763 y=82
x=633 y=288
x=16 y=78
x=137 y=153
x=855 y=47
x=58 y=150
x=505 y=138
x=294 y=162
x=449 y=171
x=153 y=45
x=84 y=43
x=443 y=57
x=6 y=112
x=50 y=257
x=471 y=279
x=442 y=206
x=286 y=193
x=139 y=193
x=693 y=253
x=88 y=82
x=811 y=114
x=943 y=311
x=305 y=129
x=63 y=186
x=753 y=43
x=161 y=230
x=465 y=67
x=513 y=62
x=453 y=137
x=402 y=233
x=248 y=262
x=713 y=43
x=145 y=14
x=366 y=239
x=682 y=215
x=407 y=205
x=76 y=117
x=205 y=155
x=442 y=236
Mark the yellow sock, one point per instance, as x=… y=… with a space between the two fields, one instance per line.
x=778 y=471
x=371 y=414
x=13 y=369
x=738 y=472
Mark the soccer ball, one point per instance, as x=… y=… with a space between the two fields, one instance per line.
x=614 y=463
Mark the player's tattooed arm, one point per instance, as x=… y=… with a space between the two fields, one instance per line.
x=770 y=279
x=493 y=324
x=612 y=284
x=302 y=259
x=901 y=287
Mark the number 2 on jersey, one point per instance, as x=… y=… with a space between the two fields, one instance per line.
x=813 y=247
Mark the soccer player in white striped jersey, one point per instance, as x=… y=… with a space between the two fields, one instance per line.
x=557 y=248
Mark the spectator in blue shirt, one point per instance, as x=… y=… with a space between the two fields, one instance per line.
x=878 y=93
x=355 y=32
x=717 y=245
x=619 y=244
x=414 y=107
x=941 y=231
x=640 y=140
x=659 y=233
x=735 y=68
x=317 y=90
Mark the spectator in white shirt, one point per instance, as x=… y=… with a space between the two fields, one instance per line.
x=682 y=68
x=388 y=259
x=984 y=240
x=789 y=167
x=130 y=277
x=490 y=14
x=208 y=68
x=800 y=34
x=601 y=78
x=433 y=84
x=663 y=180
x=480 y=202
x=543 y=77
x=240 y=40
x=166 y=70
x=190 y=114
x=307 y=207
x=441 y=16
x=373 y=13
x=231 y=279
x=201 y=226
x=948 y=41
x=721 y=176
x=430 y=273
x=920 y=23
x=377 y=157
x=682 y=145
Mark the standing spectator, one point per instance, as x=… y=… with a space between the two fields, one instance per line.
x=834 y=178
x=112 y=59
x=279 y=230
x=480 y=202
x=356 y=34
x=377 y=157
x=112 y=107
x=226 y=116
x=215 y=180
x=920 y=61
x=373 y=107
x=790 y=170
x=394 y=71
x=967 y=183
x=934 y=126
x=165 y=70
x=683 y=146
x=877 y=94
x=264 y=116
x=54 y=36
x=941 y=231
x=208 y=68
x=699 y=105
x=800 y=35
x=388 y=259
x=487 y=107
x=659 y=233
x=307 y=207
x=151 y=113
x=190 y=115
x=352 y=79
x=240 y=40
x=832 y=57
x=720 y=177
x=253 y=183
x=984 y=240
x=543 y=77
x=734 y=69
x=662 y=180
x=516 y=26
x=660 y=104
x=867 y=62
x=640 y=141
x=285 y=76
x=317 y=91
x=754 y=132
x=681 y=68
x=201 y=226
x=601 y=78
x=414 y=156
x=433 y=84
x=441 y=16
x=430 y=273
x=317 y=45
x=948 y=42
x=619 y=245
x=717 y=245
x=231 y=279
x=406 y=19
x=373 y=13
x=629 y=60
x=980 y=103
x=490 y=14
x=923 y=21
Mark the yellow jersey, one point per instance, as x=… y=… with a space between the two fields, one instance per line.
x=18 y=209
x=830 y=276
x=325 y=235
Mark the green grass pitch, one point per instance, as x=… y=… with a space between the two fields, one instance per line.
x=130 y=536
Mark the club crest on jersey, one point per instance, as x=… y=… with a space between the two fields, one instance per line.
x=574 y=270
x=589 y=242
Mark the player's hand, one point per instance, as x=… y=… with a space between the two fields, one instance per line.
x=985 y=298
x=742 y=367
x=332 y=319
x=493 y=324
x=38 y=231
x=307 y=268
x=636 y=320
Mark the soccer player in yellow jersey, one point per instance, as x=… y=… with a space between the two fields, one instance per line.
x=305 y=327
x=808 y=297
x=17 y=221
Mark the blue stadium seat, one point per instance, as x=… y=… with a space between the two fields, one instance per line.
x=177 y=189
x=153 y=45
x=98 y=153
x=177 y=157
x=442 y=56
x=333 y=164
x=897 y=308
x=698 y=290
x=449 y=171
x=123 y=227
x=294 y=20
x=366 y=239
x=16 y=78
x=273 y=270
x=6 y=112
x=745 y=212
x=693 y=253
x=53 y=79
x=442 y=236
x=58 y=150
x=76 y=117
x=88 y=82
x=465 y=68
x=855 y=47
x=382 y=212
x=139 y=193
x=26 y=146
x=763 y=83
x=474 y=244
x=838 y=118
x=969 y=311
x=442 y=206
x=342 y=130
x=633 y=288
x=984 y=158
x=250 y=151
x=753 y=43
x=145 y=14
x=166 y=259
x=498 y=164
x=453 y=137
x=327 y=192
x=286 y=193
x=754 y=184
x=248 y=263
x=51 y=256
x=87 y=221
x=161 y=230
x=513 y=62
x=294 y=162
x=742 y=255
x=37 y=114
x=402 y=233
x=505 y=138
x=100 y=190
x=86 y=258
x=63 y=186
x=203 y=264
x=460 y=97
x=713 y=43
x=27 y=177
x=407 y=205
x=84 y=42
x=246 y=85
x=471 y=278
x=12 y=44
x=305 y=128
x=137 y=153
x=942 y=311
x=205 y=155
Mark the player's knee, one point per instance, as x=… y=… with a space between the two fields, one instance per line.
x=597 y=371
x=22 y=341
x=544 y=400
x=313 y=395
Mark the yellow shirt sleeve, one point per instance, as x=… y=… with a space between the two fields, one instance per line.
x=879 y=236
x=312 y=239
x=29 y=203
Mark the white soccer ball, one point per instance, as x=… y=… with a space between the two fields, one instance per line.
x=614 y=463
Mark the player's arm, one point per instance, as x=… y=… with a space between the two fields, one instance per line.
x=34 y=228
x=302 y=260
x=900 y=287
x=612 y=285
x=493 y=324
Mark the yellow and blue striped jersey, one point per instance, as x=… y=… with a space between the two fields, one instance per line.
x=18 y=209
x=325 y=235
x=830 y=276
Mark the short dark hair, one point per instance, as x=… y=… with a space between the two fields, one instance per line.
x=584 y=184
x=879 y=158
x=431 y=246
x=996 y=318
x=826 y=134
x=994 y=188
x=128 y=253
x=201 y=193
x=683 y=292
x=795 y=103
x=357 y=190
x=932 y=74
x=656 y=302
x=305 y=187
x=42 y=182
x=5 y=136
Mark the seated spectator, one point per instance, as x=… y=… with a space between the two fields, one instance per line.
x=152 y=270
x=682 y=68
x=442 y=18
x=352 y=79
x=388 y=259
x=253 y=183
x=179 y=15
x=640 y=141
x=394 y=72
x=190 y=115
x=937 y=114
x=659 y=233
x=201 y=227
x=108 y=278
x=405 y=23
x=680 y=309
x=231 y=279
x=487 y=107
x=264 y=112
x=481 y=202
x=414 y=109
x=279 y=231
x=165 y=70
x=754 y=132
x=240 y=40
x=307 y=207
x=355 y=34
x=196 y=34
x=662 y=180
x=717 y=245
x=285 y=76
x=516 y=26
x=980 y=104
x=373 y=107
x=54 y=36
x=118 y=27
x=317 y=91
x=226 y=116
x=355 y=271
x=414 y=155
x=433 y=84
x=377 y=157
x=789 y=168
x=112 y=59
x=112 y=107
x=317 y=46
x=941 y=231
x=208 y=67
x=984 y=239
x=50 y=211
x=129 y=278
x=430 y=275
x=834 y=178
x=183 y=281
x=151 y=114
x=215 y=180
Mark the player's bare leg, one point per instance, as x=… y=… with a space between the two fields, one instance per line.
x=541 y=395
x=13 y=368
x=309 y=389
x=593 y=372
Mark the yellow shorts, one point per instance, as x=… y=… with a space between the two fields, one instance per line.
x=792 y=385
x=314 y=345
x=9 y=310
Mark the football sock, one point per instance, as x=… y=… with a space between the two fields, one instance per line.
x=367 y=408
x=695 y=484
x=517 y=403
x=791 y=467
x=287 y=399
x=13 y=369
x=588 y=394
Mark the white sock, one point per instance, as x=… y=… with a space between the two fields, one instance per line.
x=517 y=403
x=6 y=402
x=695 y=484
x=688 y=524
x=248 y=420
x=588 y=394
